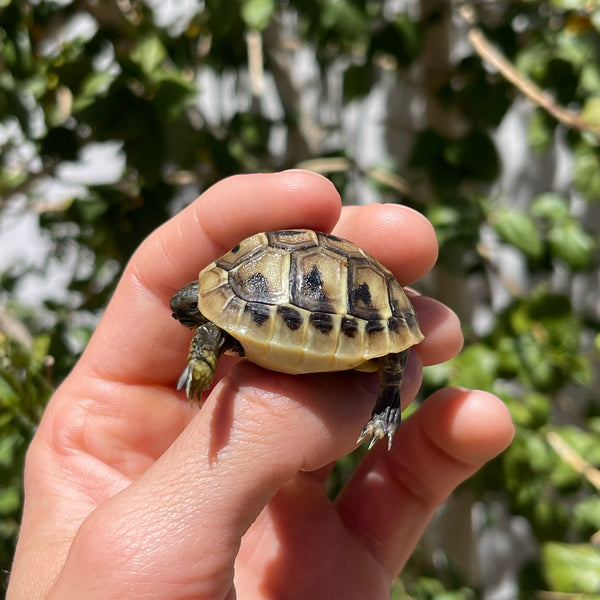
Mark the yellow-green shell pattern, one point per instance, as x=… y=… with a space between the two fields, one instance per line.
x=302 y=301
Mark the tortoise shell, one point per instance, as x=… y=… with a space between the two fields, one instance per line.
x=302 y=301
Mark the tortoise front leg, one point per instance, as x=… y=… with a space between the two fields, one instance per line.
x=385 y=419
x=206 y=347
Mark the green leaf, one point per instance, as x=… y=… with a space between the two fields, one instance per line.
x=590 y=77
x=358 y=81
x=436 y=376
x=533 y=60
x=10 y=500
x=475 y=154
x=536 y=367
x=400 y=39
x=530 y=411
x=586 y=170
x=475 y=367
x=346 y=21
x=529 y=458
x=411 y=35
x=585 y=444
x=8 y=394
x=547 y=337
x=94 y=85
x=149 y=53
x=571 y=568
x=564 y=476
x=587 y=516
x=551 y=206
x=516 y=228
x=24 y=50
x=540 y=131
x=591 y=110
x=595 y=18
x=546 y=307
x=9 y=445
x=173 y=95
x=257 y=14
x=571 y=243
x=571 y=46
x=579 y=5
x=91 y=207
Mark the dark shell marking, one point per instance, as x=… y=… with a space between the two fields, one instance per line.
x=312 y=285
x=260 y=312
x=321 y=321
x=291 y=317
x=374 y=326
x=258 y=286
x=349 y=326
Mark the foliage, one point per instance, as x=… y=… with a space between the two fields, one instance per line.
x=178 y=104
x=24 y=390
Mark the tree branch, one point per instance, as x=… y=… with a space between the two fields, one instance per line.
x=492 y=56
x=304 y=134
x=573 y=459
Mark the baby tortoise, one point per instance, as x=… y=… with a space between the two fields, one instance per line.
x=301 y=301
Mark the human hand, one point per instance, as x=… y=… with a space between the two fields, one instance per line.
x=133 y=493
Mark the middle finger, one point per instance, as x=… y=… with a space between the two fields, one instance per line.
x=398 y=237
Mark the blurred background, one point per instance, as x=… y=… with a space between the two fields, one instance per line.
x=484 y=116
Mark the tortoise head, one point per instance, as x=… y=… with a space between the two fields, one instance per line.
x=184 y=305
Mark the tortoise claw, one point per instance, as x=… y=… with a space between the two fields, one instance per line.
x=381 y=425
x=183 y=381
x=187 y=380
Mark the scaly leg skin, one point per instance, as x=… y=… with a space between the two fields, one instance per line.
x=385 y=419
x=207 y=346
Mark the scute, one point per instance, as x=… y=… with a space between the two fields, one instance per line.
x=242 y=251
x=301 y=301
x=317 y=280
x=339 y=245
x=367 y=290
x=293 y=239
x=262 y=277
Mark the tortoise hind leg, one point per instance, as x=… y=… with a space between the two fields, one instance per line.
x=385 y=419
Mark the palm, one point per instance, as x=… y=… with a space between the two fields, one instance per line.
x=298 y=533
x=299 y=548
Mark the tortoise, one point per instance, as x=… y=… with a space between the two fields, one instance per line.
x=301 y=301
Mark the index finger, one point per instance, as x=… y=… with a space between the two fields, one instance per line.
x=136 y=341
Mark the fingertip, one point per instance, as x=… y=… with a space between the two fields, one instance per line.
x=399 y=237
x=442 y=330
x=473 y=426
x=242 y=205
x=299 y=178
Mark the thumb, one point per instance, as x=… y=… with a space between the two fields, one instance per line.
x=175 y=531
